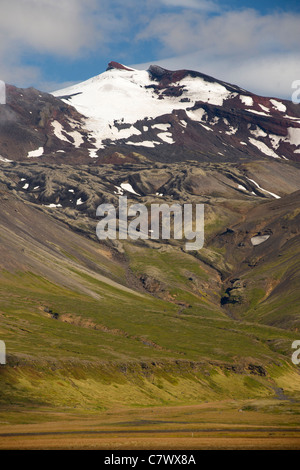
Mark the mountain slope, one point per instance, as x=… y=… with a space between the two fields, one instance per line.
x=183 y=115
x=70 y=344
x=145 y=322
x=125 y=115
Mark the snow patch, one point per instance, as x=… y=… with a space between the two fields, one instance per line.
x=58 y=131
x=166 y=137
x=93 y=153
x=205 y=127
x=161 y=127
x=199 y=89
x=275 y=140
x=257 y=185
x=119 y=191
x=264 y=108
x=293 y=136
x=257 y=112
x=215 y=120
x=263 y=148
x=258 y=239
x=146 y=143
x=128 y=132
x=75 y=135
x=197 y=115
x=291 y=117
x=247 y=100
x=127 y=187
x=52 y=205
x=232 y=130
x=258 y=132
x=278 y=105
x=36 y=153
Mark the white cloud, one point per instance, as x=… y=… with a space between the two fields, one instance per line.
x=258 y=52
x=270 y=75
x=47 y=26
x=228 y=33
x=62 y=29
x=205 y=5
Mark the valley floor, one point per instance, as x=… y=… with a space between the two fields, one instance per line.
x=252 y=425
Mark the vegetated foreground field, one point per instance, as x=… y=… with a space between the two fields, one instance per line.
x=136 y=350
x=252 y=425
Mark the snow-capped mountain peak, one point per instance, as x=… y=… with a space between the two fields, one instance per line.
x=126 y=114
x=124 y=96
x=120 y=103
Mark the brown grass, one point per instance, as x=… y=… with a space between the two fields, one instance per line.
x=255 y=424
x=152 y=443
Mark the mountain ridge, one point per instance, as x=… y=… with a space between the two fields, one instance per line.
x=157 y=115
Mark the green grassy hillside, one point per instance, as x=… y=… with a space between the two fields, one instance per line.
x=89 y=324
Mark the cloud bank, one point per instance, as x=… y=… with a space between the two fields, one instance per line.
x=258 y=52
x=254 y=50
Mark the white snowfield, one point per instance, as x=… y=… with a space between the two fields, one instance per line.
x=161 y=127
x=198 y=115
x=121 y=96
x=125 y=187
x=75 y=135
x=52 y=206
x=293 y=138
x=5 y=160
x=258 y=239
x=262 y=189
x=166 y=137
x=263 y=147
x=264 y=108
x=36 y=153
x=247 y=100
x=257 y=112
x=278 y=105
x=145 y=143
x=258 y=132
x=115 y=100
x=129 y=188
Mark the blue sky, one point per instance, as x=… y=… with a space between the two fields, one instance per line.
x=50 y=44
